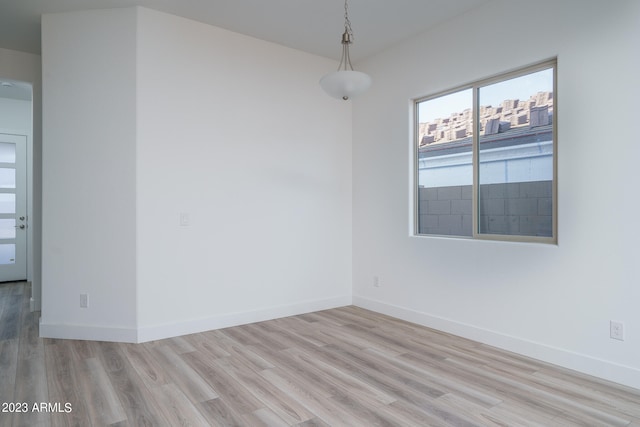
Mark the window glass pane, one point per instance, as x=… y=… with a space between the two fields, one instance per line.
x=445 y=170
x=7 y=203
x=8 y=254
x=7 y=178
x=8 y=228
x=515 y=172
x=7 y=152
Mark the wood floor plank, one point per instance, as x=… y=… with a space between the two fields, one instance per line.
x=518 y=362
x=580 y=397
x=511 y=409
x=413 y=415
x=31 y=369
x=395 y=377
x=272 y=397
x=341 y=367
x=315 y=422
x=322 y=386
x=556 y=401
x=103 y=403
x=8 y=365
x=190 y=382
x=482 y=415
x=417 y=395
x=325 y=409
x=176 y=408
x=233 y=349
x=11 y=310
x=268 y=331
x=324 y=317
x=371 y=374
x=179 y=345
x=490 y=384
x=230 y=391
x=332 y=335
x=81 y=349
x=626 y=402
x=343 y=317
x=64 y=386
x=8 y=369
x=244 y=335
x=365 y=414
x=341 y=379
x=136 y=400
x=211 y=342
x=433 y=374
x=151 y=372
x=301 y=328
x=219 y=414
x=575 y=400
x=264 y=417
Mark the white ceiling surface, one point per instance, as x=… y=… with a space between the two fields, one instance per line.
x=313 y=26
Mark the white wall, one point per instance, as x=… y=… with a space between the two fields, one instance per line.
x=89 y=148
x=187 y=118
x=237 y=133
x=149 y=116
x=550 y=302
x=27 y=116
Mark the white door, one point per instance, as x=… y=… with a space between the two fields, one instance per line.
x=13 y=207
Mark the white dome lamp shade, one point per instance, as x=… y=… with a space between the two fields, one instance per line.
x=345 y=83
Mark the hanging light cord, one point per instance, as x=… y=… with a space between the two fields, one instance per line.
x=347 y=39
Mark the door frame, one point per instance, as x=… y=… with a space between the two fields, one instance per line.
x=26 y=69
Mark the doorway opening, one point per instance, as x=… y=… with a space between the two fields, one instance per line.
x=16 y=180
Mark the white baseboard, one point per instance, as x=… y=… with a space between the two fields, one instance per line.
x=604 y=369
x=85 y=332
x=151 y=333
x=99 y=333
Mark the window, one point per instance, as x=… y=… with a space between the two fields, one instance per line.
x=485 y=158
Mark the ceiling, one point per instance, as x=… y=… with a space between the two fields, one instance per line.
x=314 y=26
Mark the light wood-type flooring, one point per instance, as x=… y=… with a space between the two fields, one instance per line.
x=340 y=367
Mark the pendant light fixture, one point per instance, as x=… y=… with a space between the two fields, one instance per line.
x=345 y=83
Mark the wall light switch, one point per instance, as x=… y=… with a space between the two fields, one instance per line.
x=185 y=219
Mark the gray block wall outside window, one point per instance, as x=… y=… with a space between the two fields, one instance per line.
x=446 y=211
x=523 y=209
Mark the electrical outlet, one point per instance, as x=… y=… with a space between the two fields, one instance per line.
x=376 y=282
x=84 y=300
x=616 y=330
